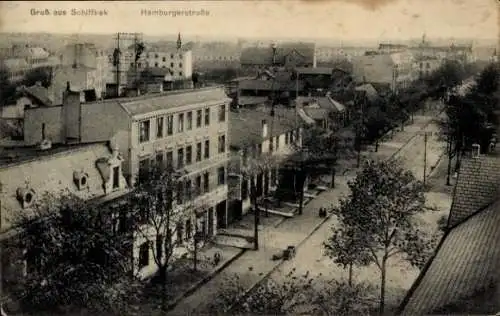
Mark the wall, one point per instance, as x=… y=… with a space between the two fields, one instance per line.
x=35 y=117
x=16 y=110
x=188 y=64
x=77 y=78
x=102 y=120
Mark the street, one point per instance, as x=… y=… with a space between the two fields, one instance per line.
x=252 y=266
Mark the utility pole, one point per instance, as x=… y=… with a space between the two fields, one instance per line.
x=426 y=134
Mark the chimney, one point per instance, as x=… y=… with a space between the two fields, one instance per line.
x=264 y=128
x=68 y=87
x=476 y=150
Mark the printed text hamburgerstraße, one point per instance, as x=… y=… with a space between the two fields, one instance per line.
x=174 y=13
x=64 y=12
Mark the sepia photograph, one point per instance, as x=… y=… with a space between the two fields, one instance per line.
x=323 y=157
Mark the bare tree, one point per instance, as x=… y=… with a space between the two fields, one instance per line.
x=162 y=202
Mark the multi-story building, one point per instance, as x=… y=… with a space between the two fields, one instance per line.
x=395 y=70
x=184 y=129
x=254 y=133
x=91 y=172
x=175 y=58
x=90 y=66
x=23 y=59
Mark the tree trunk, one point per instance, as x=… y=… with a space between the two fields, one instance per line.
x=350 y=275
x=256 y=226
x=163 y=280
x=376 y=145
x=195 y=254
x=332 y=184
x=382 y=286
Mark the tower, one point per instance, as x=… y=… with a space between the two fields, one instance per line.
x=179 y=41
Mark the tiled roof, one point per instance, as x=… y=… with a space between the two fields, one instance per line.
x=252 y=100
x=269 y=85
x=477 y=186
x=245 y=126
x=151 y=103
x=462 y=277
x=326 y=103
x=316 y=114
x=315 y=71
x=51 y=171
x=373 y=68
x=264 y=55
x=369 y=90
x=40 y=93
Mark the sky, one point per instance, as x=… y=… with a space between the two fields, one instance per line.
x=339 y=19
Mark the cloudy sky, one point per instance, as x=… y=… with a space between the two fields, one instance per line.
x=339 y=19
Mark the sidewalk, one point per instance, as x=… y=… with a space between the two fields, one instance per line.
x=254 y=266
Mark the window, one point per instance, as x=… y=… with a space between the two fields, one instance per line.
x=131 y=64
x=170 y=158
x=189 y=229
x=207 y=149
x=159 y=160
x=286 y=138
x=156 y=55
x=180 y=55
x=144 y=255
x=221 y=176
x=181 y=122
x=198 y=152
x=139 y=65
x=206 y=182
x=198 y=118
x=171 y=65
x=180 y=73
x=156 y=64
x=170 y=125
x=189 y=155
x=189 y=121
x=159 y=246
x=207 y=116
x=180 y=65
x=271 y=147
x=171 y=56
x=116 y=177
x=159 y=127
x=198 y=184
x=180 y=158
x=144 y=131
x=222 y=113
x=164 y=59
x=222 y=144
x=277 y=142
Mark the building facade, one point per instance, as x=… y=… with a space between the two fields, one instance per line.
x=261 y=142
x=90 y=172
x=23 y=59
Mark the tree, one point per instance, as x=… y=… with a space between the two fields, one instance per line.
x=379 y=217
x=470 y=117
x=74 y=257
x=159 y=205
x=42 y=75
x=249 y=168
x=295 y=294
x=450 y=74
x=7 y=88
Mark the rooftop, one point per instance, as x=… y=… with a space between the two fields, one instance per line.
x=150 y=103
x=245 y=125
x=51 y=171
x=462 y=277
x=264 y=55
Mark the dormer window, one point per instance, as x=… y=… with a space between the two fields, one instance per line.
x=116 y=177
x=81 y=179
x=26 y=196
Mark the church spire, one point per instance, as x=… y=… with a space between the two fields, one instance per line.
x=179 y=41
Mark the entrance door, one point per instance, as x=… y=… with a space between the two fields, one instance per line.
x=211 y=221
x=221 y=215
